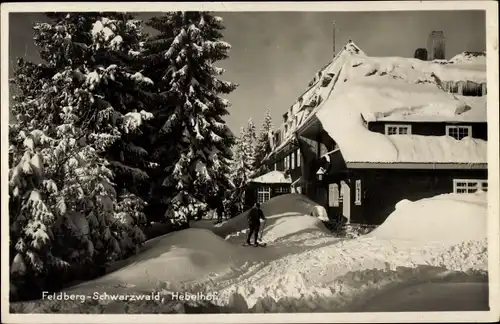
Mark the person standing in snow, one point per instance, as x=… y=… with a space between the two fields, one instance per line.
x=254 y=217
x=220 y=211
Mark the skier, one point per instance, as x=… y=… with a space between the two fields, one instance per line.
x=254 y=217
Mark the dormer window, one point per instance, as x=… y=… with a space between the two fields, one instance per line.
x=397 y=129
x=458 y=132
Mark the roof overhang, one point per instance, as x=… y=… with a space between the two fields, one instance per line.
x=417 y=166
x=310 y=128
x=290 y=144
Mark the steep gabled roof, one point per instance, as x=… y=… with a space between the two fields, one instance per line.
x=319 y=88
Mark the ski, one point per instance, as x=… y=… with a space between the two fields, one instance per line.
x=258 y=245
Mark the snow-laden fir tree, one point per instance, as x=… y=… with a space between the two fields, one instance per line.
x=239 y=174
x=191 y=142
x=263 y=146
x=248 y=148
x=242 y=168
x=74 y=166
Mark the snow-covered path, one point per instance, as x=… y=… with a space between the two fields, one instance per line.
x=325 y=266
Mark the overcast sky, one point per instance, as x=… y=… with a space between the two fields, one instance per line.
x=274 y=55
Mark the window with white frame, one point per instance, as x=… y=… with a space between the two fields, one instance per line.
x=293 y=160
x=469 y=185
x=287 y=166
x=458 y=132
x=298 y=157
x=357 y=192
x=398 y=129
x=283 y=190
x=263 y=194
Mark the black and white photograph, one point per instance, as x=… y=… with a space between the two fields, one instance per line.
x=317 y=162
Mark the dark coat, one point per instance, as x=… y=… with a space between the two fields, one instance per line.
x=255 y=215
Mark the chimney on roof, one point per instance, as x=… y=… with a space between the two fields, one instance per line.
x=333 y=38
x=436 y=45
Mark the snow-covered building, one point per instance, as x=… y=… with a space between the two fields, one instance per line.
x=371 y=131
x=266 y=186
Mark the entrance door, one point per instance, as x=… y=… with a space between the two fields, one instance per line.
x=321 y=196
x=345 y=191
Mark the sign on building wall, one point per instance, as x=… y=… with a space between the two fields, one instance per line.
x=333 y=195
x=357 y=198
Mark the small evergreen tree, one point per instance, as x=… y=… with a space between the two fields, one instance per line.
x=74 y=166
x=263 y=146
x=189 y=138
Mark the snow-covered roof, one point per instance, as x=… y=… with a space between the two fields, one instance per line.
x=319 y=89
x=476 y=58
x=364 y=88
x=272 y=177
x=355 y=88
x=473 y=110
x=374 y=87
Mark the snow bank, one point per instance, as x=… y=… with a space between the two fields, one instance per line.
x=286 y=228
x=326 y=271
x=470 y=294
x=183 y=256
x=284 y=205
x=445 y=218
x=307 y=269
x=447 y=232
x=272 y=177
x=293 y=227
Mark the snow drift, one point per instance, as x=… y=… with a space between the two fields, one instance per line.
x=450 y=218
x=293 y=227
x=411 y=239
x=307 y=269
x=289 y=204
x=183 y=256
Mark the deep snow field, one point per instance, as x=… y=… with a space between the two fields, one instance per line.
x=434 y=241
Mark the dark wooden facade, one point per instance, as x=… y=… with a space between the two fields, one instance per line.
x=379 y=189
x=382 y=189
